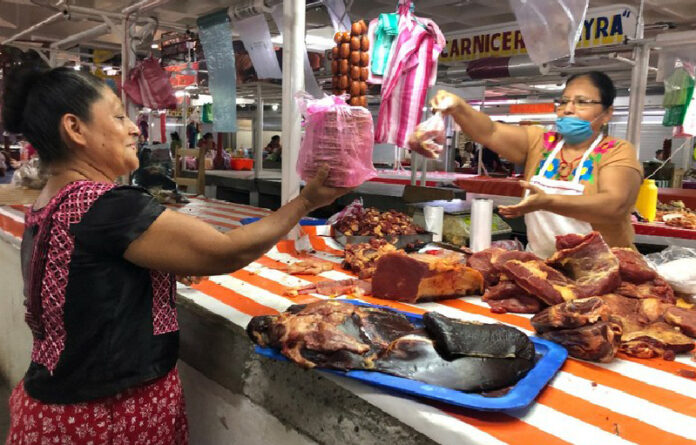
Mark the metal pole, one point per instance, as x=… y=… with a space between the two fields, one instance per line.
x=86 y=34
x=33 y=28
x=258 y=133
x=639 y=82
x=293 y=82
x=424 y=171
x=414 y=168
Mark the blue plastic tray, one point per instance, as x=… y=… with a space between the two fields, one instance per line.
x=303 y=221
x=521 y=395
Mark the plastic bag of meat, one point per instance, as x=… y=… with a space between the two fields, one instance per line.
x=428 y=138
x=339 y=135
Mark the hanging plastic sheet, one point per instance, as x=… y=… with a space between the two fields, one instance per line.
x=551 y=28
x=337 y=13
x=216 y=36
x=257 y=41
x=311 y=85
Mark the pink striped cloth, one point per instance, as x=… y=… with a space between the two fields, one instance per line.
x=412 y=68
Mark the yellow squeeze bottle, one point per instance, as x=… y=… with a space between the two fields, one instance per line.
x=646 y=204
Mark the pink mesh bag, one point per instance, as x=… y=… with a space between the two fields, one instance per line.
x=338 y=135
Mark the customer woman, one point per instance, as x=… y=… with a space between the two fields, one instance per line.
x=99 y=262
x=576 y=178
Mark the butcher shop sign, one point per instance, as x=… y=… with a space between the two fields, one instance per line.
x=603 y=26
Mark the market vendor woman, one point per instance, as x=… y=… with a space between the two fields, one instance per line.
x=576 y=179
x=99 y=262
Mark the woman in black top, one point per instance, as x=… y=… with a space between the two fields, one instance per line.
x=99 y=262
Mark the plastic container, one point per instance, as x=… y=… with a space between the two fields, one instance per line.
x=646 y=204
x=241 y=164
x=550 y=358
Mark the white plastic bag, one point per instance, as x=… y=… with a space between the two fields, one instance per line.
x=551 y=28
x=677 y=265
x=428 y=138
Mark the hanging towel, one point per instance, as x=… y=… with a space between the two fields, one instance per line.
x=385 y=34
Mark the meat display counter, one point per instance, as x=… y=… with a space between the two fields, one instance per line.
x=237 y=396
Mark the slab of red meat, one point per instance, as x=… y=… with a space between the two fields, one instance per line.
x=657 y=288
x=490 y=262
x=684 y=319
x=597 y=342
x=569 y=241
x=483 y=262
x=541 y=280
x=506 y=296
x=572 y=314
x=632 y=266
x=590 y=264
x=417 y=277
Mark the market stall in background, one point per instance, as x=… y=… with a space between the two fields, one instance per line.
x=383 y=294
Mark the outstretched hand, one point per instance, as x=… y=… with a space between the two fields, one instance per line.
x=537 y=199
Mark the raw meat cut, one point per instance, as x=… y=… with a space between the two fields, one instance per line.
x=632 y=266
x=571 y=314
x=339 y=335
x=308 y=266
x=655 y=340
x=417 y=277
x=540 y=280
x=595 y=342
x=590 y=263
x=483 y=262
x=506 y=296
x=684 y=319
x=361 y=258
x=657 y=288
x=333 y=288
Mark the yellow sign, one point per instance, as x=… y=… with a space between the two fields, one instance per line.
x=603 y=26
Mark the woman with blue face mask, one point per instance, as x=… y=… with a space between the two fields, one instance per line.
x=576 y=180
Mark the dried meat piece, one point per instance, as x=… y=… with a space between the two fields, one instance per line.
x=590 y=263
x=361 y=258
x=308 y=266
x=632 y=266
x=654 y=340
x=456 y=338
x=572 y=314
x=597 y=342
x=417 y=277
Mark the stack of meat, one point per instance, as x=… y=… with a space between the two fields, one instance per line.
x=361 y=258
x=445 y=352
x=601 y=300
x=372 y=222
x=349 y=65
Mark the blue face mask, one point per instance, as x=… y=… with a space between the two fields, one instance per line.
x=574 y=130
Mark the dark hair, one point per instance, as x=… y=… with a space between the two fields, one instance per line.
x=36 y=99
x=275 y=138
x=607 y=90
x=175 y=136
x=208 y=136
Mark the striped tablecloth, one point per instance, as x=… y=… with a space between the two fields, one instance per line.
x=627 y=401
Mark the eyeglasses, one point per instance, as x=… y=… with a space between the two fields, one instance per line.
x=579 y=103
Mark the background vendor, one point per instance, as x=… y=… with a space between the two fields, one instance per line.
x=576 y=179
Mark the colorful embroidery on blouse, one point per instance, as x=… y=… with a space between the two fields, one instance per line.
x=586 y=170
